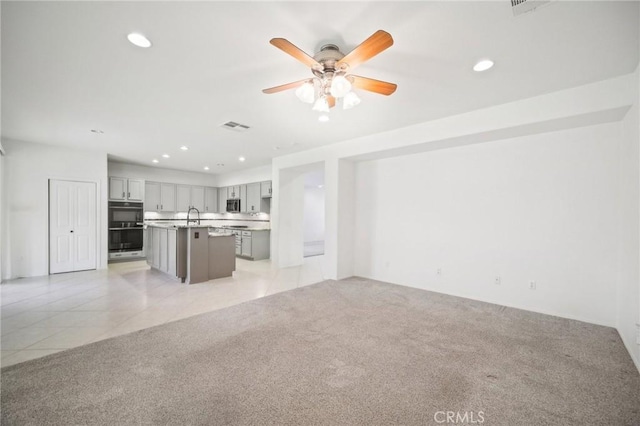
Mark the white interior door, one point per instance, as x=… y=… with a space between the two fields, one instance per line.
x=72 y=226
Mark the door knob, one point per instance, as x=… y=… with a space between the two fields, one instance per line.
x=71 y=231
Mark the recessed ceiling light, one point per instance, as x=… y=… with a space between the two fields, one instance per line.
x=139 y=40
x=155 y=160
x=98 y=131
x=206 y=167
x=320 y=186
x=241 y=158
x=165 y=155
x=483 y=65
x=323 y=118
x=184 y=148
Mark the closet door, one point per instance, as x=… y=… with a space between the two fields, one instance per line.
x=61 y=226
x=72 y=226
x=84 y=226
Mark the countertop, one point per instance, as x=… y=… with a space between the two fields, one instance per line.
x=182 y=225
x=236 y=228
x=219 y=234
x=175 y=225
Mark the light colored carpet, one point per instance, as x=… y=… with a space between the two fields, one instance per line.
x=348 y=352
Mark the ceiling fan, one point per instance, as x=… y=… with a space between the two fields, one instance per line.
x=332 y=70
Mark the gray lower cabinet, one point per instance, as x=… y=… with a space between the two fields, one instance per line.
x=172 y=255
x=246 y=244
x=164 y=248
x=254 y=245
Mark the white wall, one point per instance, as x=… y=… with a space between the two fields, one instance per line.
x=159 y=174
x=541 y=207
x=2 y=211
x=287 y=233
x=29 y=166
x=313 y=214
x=628 y=291
x=257 y=174
x=606 y=101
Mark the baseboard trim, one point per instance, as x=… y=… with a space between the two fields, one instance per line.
x=630 y=350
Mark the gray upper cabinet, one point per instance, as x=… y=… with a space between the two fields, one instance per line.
x=117 y=188
x=135 y=190
x=222 y=200
x=167 y=197
x=183 y=198
x=265 y=189
x=160 y=197
x=152 y=197
x=233 y=192
x=243 y=199
x=211 y=200
x=123 y=189
x=188 y=196
x=197 y=198
x=253 y=198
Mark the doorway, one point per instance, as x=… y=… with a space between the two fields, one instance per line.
x=72 y=226
x=314 y=208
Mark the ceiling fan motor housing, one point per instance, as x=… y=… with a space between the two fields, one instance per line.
x=328 y=56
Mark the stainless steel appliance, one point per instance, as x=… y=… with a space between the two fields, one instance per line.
x=125 y=230
x=233 y=206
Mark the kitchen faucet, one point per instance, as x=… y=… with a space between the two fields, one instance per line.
x=193 y=220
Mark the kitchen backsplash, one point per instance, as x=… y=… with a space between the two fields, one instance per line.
x=254 y=220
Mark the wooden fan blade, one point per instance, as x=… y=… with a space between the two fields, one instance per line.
x=372 y=85
x=285 y=87
x=379 y=41
x=331 y=101
x=287 y=47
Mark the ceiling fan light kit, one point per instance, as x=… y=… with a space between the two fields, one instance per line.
x=306 y=93
x=321 y=105
x=350 y=100
x=331 y=69
x=340 y=86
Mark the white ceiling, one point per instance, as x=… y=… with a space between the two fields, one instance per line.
x=67 y=68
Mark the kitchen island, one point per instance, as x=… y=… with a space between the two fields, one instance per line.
x=190 y=252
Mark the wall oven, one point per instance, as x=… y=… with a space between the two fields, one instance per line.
x=125 y=230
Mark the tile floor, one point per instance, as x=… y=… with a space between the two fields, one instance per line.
x=44 y=315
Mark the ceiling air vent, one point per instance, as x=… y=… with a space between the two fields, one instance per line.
x=523 y=6
x=237 y=127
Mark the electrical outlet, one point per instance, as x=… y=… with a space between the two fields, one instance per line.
x=532 y=285
x=498 y=281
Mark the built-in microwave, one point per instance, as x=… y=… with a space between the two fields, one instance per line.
x=233 y=206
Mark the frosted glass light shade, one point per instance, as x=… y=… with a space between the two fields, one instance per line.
x=340 y=86
x=321 y=105
x=350 y=100
x=306 y=93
